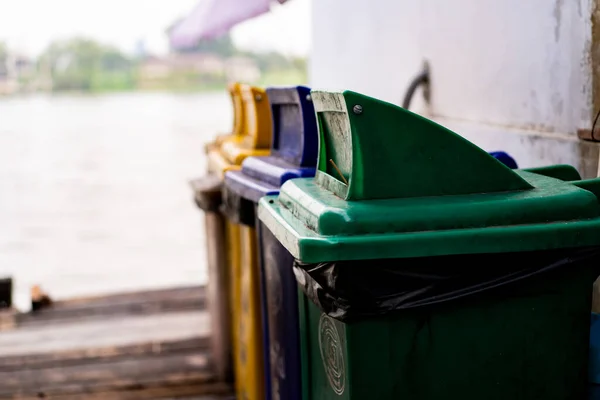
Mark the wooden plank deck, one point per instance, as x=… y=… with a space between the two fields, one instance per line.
x=145 y=345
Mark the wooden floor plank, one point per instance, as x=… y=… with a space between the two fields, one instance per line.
x=218 y=391
x=200 y=397
x=118 y=305
x=136 y=373
x=102 y=354
x=146 y=345
x=128 y=297
x=104 y=333
x=214 y=390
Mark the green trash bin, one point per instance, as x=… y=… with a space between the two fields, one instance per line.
x=429 y=270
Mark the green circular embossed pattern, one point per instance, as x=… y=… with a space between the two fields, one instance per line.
x=332 y=354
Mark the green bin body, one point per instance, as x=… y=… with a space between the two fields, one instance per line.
x=527 y=341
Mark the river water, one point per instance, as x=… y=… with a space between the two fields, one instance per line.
x=94 y=194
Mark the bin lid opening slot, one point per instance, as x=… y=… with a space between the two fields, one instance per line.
x=294 y=125
x=257 y=114
x=239 y=120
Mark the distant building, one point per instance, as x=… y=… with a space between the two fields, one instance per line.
x=195 y=68
x=241 y=69
x=161 y=67
x=16 y=71
x=211 y=60
x=140 y=49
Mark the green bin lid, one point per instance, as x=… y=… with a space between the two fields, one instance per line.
x=392 y=184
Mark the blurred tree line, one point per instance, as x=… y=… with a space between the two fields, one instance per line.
x=82 y=64
x=85 y=65
x=3 y=59
x=275 y=67
x=266 y=61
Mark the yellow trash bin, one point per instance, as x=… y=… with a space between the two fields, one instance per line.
x=241 y=248
x=207 y=194
x=232 y=246
x=239 y=122
x=253 y=137
x=249 y=137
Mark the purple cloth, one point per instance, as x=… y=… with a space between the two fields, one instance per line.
x=212 y=18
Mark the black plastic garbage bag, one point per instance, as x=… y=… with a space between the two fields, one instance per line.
x=348 y=290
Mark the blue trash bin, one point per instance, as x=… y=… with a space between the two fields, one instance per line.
x=505 y=159
x=293 y=155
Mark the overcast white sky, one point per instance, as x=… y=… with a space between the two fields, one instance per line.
x=29 y=25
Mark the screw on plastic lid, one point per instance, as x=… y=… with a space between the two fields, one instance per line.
x=370 y=149
x=505 y=159
x=238 y=109
x=238 y=119
x=257 y=126
x=393 y=184
x=293 y=149
x=295 y=137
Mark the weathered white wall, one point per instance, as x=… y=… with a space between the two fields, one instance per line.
x=513 y=67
